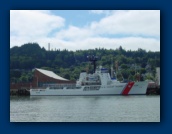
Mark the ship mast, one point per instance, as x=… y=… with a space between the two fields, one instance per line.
x=93 y=60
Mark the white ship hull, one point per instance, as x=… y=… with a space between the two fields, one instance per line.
x=113 y=89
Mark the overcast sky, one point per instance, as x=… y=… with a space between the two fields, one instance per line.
x=86 y=29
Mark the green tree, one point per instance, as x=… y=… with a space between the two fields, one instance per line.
x=124 y=66
x=31 y=55
x=67 y=76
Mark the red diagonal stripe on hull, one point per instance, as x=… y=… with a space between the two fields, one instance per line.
x=127 y=88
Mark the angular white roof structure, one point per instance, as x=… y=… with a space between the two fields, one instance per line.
x=51 y=74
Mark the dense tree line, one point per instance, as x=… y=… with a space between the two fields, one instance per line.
x=68 y=64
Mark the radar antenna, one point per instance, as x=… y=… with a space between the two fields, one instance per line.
x=93 y=60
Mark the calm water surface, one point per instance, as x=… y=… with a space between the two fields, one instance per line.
x=135 y=108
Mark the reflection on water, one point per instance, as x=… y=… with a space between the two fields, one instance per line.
x=139 y=108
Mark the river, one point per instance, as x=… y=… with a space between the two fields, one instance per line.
x=134 y=108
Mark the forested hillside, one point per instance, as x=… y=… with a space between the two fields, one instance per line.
x=68 y=64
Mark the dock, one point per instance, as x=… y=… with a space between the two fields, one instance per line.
x=153 y=91
x=20 y=92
